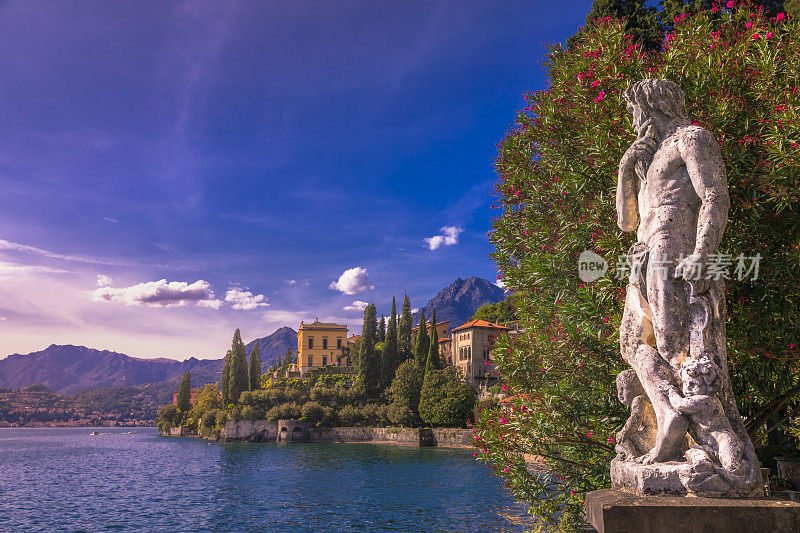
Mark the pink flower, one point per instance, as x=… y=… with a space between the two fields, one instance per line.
x=605 y=320
x=696 y=123
x=756 y=37
x=780 y=17
x=611 y=439
x=730 y=4
x=794 y=145
x=589 y=434
x=791 y=346
x=505 y=470
x=748 y=25
x=768 y=35
x=572 y=492
x=600 y=96
x=503 y=420
x=714 y=9
x=502 y=387
x=595 y=83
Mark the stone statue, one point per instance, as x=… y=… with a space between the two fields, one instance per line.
x=672 y=189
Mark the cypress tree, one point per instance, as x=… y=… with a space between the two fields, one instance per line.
x=184 y=394
x=225 y=380
x=433 y=362
x=369 y=370
x=422 y=344
x=404 y=330
x=382 y=329
x=238 y=381
x=391 y=356
x=255 y=368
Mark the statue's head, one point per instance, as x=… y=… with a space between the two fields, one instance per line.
x=700 y=376
x=647 y=98
x=628 y=386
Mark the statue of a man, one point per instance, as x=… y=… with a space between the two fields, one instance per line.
x=672 y=189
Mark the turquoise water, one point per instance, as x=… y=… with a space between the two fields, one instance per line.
x=67 y=480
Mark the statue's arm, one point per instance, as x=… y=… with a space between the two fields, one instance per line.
x=627 y=205
x=701 y=153
x=635 y=420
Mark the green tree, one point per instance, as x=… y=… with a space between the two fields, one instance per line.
x=433 y=362
x=184 y=394
x=557 y=173
x=641 y=20
x=404 y=330
x=207 y=399
x=391 y=354
x=382 y=329
x=406 y=386
x=422 y=343
x=239 y=381
x=497 y=312
x=168 y=417
x=255 y=368
x=446 y=399
x=369 y=368
x=792 y=7
x=225 y=379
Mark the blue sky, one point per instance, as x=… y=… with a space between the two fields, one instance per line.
x=271 y=161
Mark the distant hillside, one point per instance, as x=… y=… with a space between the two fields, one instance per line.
x=68 y=369
x=273 y=347
x=458 y=302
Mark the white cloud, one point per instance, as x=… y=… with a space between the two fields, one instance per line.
x=358 y=305
x=244 y=300
x=2 y=318
x=291 y=281
x=415 y=311
x=157 y=293
x=103 y=280
x=352 y=281
x=112 y=220
x=500 y=283
x=213 y=303
x=448 y=237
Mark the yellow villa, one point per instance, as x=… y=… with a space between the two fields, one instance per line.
x=320 y=344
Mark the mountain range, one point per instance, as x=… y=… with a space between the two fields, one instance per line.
x=459 y=301
x=68 y=369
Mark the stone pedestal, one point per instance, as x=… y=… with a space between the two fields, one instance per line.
x=667 y=479
x=613 y=511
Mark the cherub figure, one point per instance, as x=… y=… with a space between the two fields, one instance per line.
x=638 y=435
x=717 y=442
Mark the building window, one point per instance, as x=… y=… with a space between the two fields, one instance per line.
x=310 y=360
x=469 y=352
x=311 y=342
x=324 y=344
x=338 y=343
x=324 y=358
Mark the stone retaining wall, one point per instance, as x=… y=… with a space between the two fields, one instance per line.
x=264 y=431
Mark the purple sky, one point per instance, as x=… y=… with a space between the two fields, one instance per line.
x=270 y=161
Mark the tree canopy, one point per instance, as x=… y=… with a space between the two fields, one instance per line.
x=557 y=167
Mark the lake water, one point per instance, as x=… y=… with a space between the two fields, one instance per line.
x=67 y=480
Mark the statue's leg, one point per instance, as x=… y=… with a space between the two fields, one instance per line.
x=667 y=301
x=668 y=298
x=655 y=375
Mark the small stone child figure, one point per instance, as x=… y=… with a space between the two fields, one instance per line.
x=638 y=436
x=709 y=426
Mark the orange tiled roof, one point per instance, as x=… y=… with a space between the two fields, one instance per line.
x=480 y=324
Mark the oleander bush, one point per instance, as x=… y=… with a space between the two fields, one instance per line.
x=557 y=170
